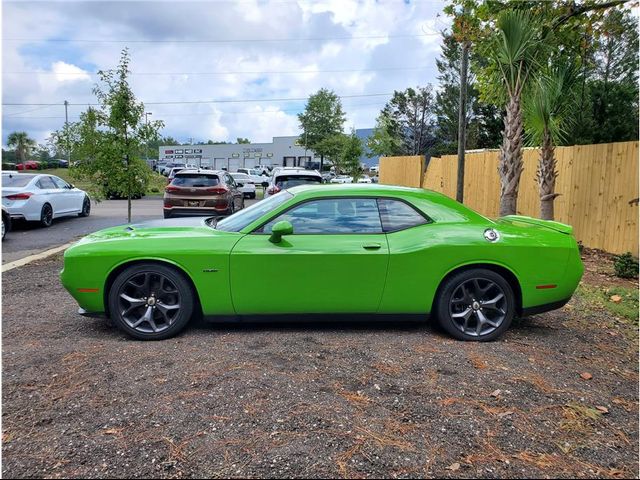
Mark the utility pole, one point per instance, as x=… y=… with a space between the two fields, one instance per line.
x=66 y=124
x=146 y=119
x=462 y=118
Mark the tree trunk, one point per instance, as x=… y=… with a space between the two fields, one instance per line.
x=546 y=176
x=321 y=163
x=510 y=165
x=462 y=120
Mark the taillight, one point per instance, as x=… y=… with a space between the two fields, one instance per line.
x=171 y=189
x=217 y=190
x=20 y=196
x=273 y=190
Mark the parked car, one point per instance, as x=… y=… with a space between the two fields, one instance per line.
x=172 y=173
x=42 y=198
x=6 y=222
x=202 y=192
x=257 y=176
x=327 y=176
x=342 y=179
x=246 y=185
x=62 y=163
x=364 y=179
x=28 y=165
x=375 y=169
x=341 y=248
x=168 y=166
x=287 y=177
x=264 y=169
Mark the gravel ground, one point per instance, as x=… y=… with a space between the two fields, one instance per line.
x=331 y=400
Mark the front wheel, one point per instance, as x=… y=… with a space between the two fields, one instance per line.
x=150 y=301
x=475 y=305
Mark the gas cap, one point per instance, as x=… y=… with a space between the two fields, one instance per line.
x=491 y=235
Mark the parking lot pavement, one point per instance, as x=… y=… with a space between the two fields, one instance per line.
x=28 y=238
x=322 y=400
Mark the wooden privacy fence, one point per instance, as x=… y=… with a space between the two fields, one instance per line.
x=598 y=187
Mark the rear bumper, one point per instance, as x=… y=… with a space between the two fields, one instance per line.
x=547 y=307
x=194 y=211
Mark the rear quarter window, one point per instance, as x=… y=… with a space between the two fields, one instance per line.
x=397 y=215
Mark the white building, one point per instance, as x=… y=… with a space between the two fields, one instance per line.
x=283 y=151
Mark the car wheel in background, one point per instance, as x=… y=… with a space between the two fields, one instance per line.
x=86 y=208
x=150 y=301
x=475 y=305
x=46 y=215
x=167 y=214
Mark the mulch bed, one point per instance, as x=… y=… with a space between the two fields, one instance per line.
x=556 y=397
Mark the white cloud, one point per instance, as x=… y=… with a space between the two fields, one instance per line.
x=175 y=22
x=65 y=72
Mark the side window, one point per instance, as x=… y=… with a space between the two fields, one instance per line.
x=59 y=182
x=46 y=183
x=230 y=181
x=333 y=215
x=397 y=215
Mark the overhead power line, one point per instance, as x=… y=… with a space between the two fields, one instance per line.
x=191 y=102
x=218 y=40
x=208 y=114
x=239 y=72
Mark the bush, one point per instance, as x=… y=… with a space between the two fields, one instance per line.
x=626 y=266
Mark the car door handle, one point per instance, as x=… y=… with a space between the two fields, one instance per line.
x=371 y=246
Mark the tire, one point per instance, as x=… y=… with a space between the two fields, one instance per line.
x=138 y=316
x=232 y=208
x=46 y=215
x=86 y=208
x=4 y=229
x=475 y=305
x=167 y=214
x=253 y=195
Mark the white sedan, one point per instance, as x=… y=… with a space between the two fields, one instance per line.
x=41 y=198
x=245 y=184
x=364 y=179
x=342 y=179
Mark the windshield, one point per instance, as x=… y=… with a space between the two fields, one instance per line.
x=244 y=217
x=285 y=181
x=17 y=180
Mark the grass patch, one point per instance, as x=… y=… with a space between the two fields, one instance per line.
x=626 y=308
x=156 y=184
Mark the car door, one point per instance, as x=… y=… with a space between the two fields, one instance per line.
x=50 y=193
x=234 y=191
x=334 y=262
x=66 y=196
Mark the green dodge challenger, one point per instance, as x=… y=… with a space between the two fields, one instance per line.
x=328 y=249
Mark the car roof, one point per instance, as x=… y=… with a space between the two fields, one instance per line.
x=203 y=171
x=296 y=171
x=355 y=189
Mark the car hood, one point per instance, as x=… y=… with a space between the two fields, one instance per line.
x=179 y=228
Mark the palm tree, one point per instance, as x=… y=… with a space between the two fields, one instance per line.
x=548 y=111
x=22 y=144
x=515 y=55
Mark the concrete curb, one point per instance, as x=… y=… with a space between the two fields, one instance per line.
x=32 y=258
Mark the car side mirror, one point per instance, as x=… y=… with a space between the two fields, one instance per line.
x=279 y=230
x=240 y=184
x=70 y=186
x=265 y=184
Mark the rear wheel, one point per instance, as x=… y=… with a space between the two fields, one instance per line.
x=46 y=215
x=150 y=301
x=476 y=305
x=86 y=207
x=167 y=214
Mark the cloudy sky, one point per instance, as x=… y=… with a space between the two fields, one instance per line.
x=208 y=69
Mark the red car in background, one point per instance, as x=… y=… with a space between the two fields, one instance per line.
x=29 y=165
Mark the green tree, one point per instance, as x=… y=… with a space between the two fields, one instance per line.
x=108 y=142
x=548 y=111
x=407 y=120
x=350 y=156
x=385 y=139
x=22 y=144
x=516 y=50
x=241 y=141
x=322 y=118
